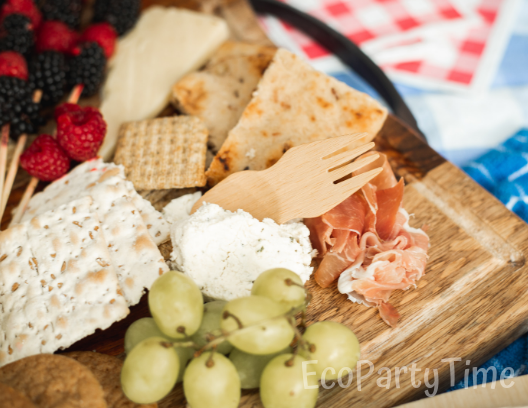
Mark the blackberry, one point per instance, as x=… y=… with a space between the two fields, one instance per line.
x=88 y=68
x=16 y=34
x=121 y=14
x=47 y=72
x=67 y=11
x=17 y=107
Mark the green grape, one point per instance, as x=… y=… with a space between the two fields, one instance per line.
x=184 y=355
x=211 y=381
x=282 y=385
x=336 y=347
x=145 y=328
x=140 y=330
x=176 y=304
x=273 y=284
x=266 y=335
x=150 y=371
x=211 y=324
x=250 y=366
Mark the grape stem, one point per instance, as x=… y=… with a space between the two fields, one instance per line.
x=217 y=340
x=227 y=315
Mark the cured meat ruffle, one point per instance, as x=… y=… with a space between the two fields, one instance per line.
x=367 y=244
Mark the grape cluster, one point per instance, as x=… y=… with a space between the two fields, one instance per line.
x=245 y=343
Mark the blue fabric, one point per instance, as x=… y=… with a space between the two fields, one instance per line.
x=515 y=356
x=503 y=171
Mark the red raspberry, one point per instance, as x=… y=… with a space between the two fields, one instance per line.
x=25 y=7
x=103 y=34
x=81 y=133
x=45 y=159
x=13 y=64
x=55 y=36
x=66 y=108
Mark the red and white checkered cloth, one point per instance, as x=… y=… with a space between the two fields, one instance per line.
x=442 y=44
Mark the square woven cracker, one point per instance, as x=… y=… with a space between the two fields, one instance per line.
x=163 y=153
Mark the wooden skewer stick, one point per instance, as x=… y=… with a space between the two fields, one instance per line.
x=3 y=154
x=13 y=167
x=30 y=189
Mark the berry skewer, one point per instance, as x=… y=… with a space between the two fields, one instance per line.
x=86 y=74
x=18 y=110
x=30 y=189
x=13 y=167
x=19 y=20
x=80 y=133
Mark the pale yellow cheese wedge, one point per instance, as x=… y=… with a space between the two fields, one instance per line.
x=166 y=44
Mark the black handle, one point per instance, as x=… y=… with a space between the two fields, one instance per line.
x=344 y=49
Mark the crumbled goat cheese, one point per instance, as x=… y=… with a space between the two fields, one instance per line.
x=224 y=252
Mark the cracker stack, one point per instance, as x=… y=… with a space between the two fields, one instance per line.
x=163 y=153
x=57 y=281
x=131 y=226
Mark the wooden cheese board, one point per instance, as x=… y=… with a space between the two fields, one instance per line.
x=468 y=305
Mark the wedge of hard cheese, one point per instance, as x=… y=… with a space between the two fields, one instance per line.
x=166 y=44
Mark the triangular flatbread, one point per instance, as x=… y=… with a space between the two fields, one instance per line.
x=219 y=93
x=293 y=105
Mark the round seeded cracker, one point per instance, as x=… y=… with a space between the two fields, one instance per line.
x=107 y=369
x=53 y=381
x=11 y=398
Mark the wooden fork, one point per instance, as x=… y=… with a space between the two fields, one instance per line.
x=306 y=182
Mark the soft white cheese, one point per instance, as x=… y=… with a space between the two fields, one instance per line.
x=180 y=208
x=224 y=252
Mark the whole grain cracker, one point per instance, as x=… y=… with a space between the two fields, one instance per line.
x=88 y=177
x=107 y=370
x=11 y=398
x=163 y=153
x=68 y=288
x=293 y=104
x=52 y=381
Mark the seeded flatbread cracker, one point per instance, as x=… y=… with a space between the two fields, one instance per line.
x=82 y=180
x=20 y=295
x=220 y=92
x=107 y=370
x=133 y=252
x=52 y=381
x=68 y=288
x=11 y=398
x=163 y=153
x=293 y=105
x=136 y=258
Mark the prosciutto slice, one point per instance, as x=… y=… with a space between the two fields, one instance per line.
x=367 y=244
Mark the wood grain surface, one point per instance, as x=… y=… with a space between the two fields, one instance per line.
x=470 y=303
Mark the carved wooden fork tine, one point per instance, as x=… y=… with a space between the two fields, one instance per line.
x=307 y=181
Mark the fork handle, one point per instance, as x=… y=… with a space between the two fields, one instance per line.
x=247 y=190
